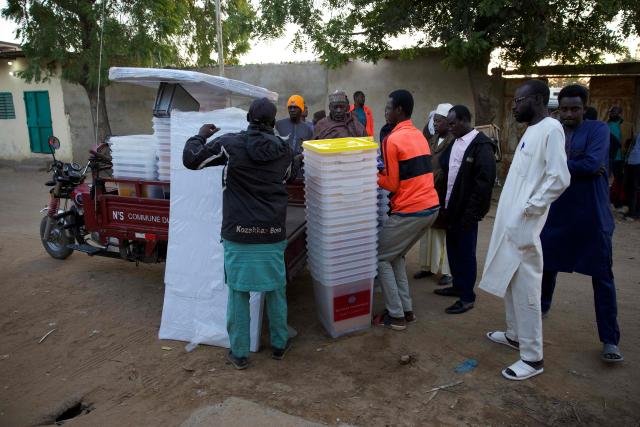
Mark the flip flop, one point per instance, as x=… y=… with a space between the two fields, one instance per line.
x=501 y=338
x=611 y=354
x=521 y=371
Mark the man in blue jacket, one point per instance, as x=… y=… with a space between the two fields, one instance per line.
x=578 y=232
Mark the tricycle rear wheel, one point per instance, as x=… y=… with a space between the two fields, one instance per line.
x=59 y=238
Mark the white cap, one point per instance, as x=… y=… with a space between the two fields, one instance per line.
x=443 y=109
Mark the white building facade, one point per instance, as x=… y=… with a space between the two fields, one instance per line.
x=29 y=112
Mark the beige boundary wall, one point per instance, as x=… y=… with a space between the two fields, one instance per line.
x=130 y=107
x=430 y=82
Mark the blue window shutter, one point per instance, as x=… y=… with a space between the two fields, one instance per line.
x=6 y=106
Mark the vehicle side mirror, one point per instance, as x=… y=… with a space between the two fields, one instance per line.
x=54 y=143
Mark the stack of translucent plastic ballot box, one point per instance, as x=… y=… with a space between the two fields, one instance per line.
x=342 y=217
x=135 y=158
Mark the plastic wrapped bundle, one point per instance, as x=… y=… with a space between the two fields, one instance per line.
x=210 y=91
x=195 y=300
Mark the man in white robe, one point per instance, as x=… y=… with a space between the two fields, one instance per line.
x=513 y=270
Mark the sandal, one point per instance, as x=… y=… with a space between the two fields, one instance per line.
x=611 y=354
x=520 y=371
x=501 y=338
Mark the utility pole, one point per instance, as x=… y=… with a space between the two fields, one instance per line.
x=219 y=38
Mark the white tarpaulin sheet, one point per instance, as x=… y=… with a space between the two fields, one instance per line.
x=195 y=300
x=212 y=92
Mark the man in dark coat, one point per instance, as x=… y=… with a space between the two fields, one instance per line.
x=254 y=212
x=578 y=232
x=469 y=172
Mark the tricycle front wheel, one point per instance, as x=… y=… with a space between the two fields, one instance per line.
x=56 y=244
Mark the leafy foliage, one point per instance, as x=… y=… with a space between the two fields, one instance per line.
x=149 y=33
x=524 y=31
x=200 y=36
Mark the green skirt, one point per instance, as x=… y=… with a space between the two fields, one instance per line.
x=254 y=267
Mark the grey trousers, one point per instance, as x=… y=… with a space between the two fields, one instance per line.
x=397 y=237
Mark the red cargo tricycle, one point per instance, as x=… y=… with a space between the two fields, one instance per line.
x=96 y=219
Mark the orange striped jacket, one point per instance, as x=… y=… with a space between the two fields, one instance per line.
x=408 y=172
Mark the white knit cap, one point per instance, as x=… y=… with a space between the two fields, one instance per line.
x=443 y=109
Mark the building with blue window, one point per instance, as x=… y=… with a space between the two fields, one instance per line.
x=29 y=112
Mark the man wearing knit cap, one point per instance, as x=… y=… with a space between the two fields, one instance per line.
x=340 y=123
x=254 y=213
x=294 y=130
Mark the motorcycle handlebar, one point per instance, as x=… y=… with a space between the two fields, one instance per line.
x=57 y=164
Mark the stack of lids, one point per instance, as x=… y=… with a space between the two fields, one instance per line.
x=342 y=209
x=134 y=157
x=162 y=137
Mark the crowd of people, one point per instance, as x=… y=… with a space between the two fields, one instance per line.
x=553 y=215
x=624 y=165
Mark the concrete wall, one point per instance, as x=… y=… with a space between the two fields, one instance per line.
x=306 y=79
x=426 y=78
x=130 y=106
x=14 y=134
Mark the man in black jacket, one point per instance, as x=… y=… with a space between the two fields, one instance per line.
x=469 y=171
x=254 y=210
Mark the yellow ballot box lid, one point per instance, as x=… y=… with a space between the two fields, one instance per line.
x=338 y=145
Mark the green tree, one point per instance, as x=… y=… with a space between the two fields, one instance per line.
x=237 y=29
x=521 y=32
x=65 y=36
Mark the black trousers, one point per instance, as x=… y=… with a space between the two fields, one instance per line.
x=461 y=250
x=632 y=189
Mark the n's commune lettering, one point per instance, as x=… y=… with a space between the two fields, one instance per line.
x=134 y=216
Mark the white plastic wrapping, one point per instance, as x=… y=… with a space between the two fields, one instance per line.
x=212 y=92
x=195 y=302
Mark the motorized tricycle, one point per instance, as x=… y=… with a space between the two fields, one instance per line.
x=95 y=219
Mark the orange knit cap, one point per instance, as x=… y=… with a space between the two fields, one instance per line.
x=296 y=101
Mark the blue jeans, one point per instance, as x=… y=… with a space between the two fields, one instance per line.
x=461 y=250
x=604 y=298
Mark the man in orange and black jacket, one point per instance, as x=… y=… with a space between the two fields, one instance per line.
x=408 y=175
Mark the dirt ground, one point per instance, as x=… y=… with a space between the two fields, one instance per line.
x=105 y=351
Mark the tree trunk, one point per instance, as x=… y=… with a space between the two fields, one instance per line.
x=102 y=118
x=485 y=94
